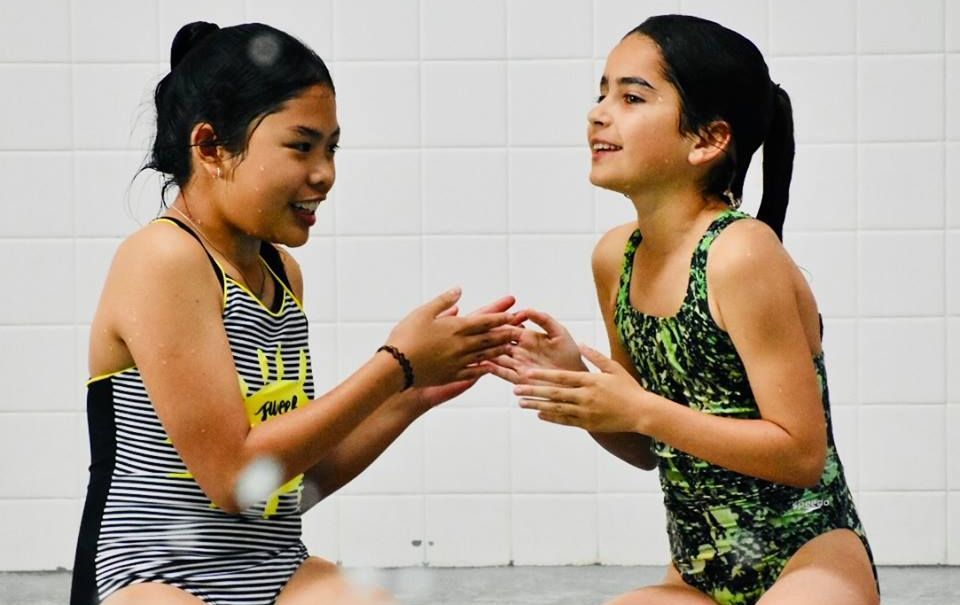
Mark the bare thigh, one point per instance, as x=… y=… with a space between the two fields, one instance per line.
x=152 y=593
x=832 y=568
x=320 y=582
x=673 y=591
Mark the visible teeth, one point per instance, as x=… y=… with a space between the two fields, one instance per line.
x=308 y=206
x=604 y=147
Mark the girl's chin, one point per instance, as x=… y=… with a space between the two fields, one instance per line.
x=607 y=183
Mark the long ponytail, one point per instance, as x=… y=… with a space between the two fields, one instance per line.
x=778 y=152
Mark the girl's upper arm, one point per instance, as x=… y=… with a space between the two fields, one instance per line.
x=166 y=306
x=751 y=279
x=607 y=261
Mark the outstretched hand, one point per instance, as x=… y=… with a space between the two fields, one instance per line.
x=432 y=396
x=553 y=348
x=608 y=401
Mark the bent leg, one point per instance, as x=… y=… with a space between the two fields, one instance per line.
x=832 y=568
x=673 y=591
x=320 y=582
x=152 y=593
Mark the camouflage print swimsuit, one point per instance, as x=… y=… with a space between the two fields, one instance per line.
x=730 y=534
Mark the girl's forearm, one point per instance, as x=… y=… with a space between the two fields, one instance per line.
x=754 y=447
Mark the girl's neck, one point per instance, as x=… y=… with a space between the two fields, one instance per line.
x=665 y=218
x=239 y=249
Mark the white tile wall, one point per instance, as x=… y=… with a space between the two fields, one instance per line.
x=898 y=189
x=464 y=162
x=953 y=185
x=312 y=21
x=41 y=92
x=823 y=196
x=320 y=529
x=909 y=85
x=549 y=458
x=631 y=530
x=375 y=30
x=552 y=191
x=25 y=548
x=467 y=451
x=464 y=191
x=840 y=351
x=888 y=433
x=612 y=19
x=30 y=212
x=463 y=29
x=953 y=360
x=544 y=29
x=27 y=372
x=835 y=22
x=891 y=26
x=904 y=527
x=96 y=39
x=468 y=530
x=554 y=530
x=901 y=361
x=891 y=286
x=829 y=262
x=464 y=105
x=953 y=25
x=393 y=196
x=747 y=17
x=820 y=117
x=22 y=26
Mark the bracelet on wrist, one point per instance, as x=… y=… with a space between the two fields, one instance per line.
x=404 y=365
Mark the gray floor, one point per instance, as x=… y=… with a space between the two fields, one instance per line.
x=519 y=585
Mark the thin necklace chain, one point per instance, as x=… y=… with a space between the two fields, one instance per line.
x=263 y=273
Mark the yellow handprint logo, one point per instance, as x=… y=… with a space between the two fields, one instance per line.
x=277 y=397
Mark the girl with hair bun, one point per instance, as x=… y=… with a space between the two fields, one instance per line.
x=204 y=426
x=717 y=376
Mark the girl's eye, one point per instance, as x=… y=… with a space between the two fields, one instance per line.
x=631 y=99
x=333 y=148
x=601 y=98
x=302 y=147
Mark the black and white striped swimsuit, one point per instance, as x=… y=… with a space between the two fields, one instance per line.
x=147 y=520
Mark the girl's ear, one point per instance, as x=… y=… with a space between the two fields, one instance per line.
x=710 y=143
x=207 y=152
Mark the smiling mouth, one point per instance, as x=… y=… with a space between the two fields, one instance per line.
x=309 y=207
x=597 y=147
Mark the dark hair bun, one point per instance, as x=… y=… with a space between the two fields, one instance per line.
x=187 y=38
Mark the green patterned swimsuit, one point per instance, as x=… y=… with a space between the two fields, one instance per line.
x=730 y=534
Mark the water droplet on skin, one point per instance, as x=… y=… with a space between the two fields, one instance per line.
x=257 y=481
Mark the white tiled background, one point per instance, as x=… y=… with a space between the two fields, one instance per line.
x=464 y=162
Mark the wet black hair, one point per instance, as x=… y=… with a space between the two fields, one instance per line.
x=231 y=78
x=721 y=75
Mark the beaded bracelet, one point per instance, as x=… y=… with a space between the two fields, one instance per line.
x=404 y=365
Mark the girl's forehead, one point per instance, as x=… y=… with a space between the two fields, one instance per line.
x=316 y=103
x=635 y=56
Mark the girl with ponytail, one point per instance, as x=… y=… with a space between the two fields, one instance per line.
x=716 y=375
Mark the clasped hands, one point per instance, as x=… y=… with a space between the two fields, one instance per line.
x=550 y=376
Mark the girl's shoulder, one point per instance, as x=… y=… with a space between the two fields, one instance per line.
x=745 y=245
x=609 y=251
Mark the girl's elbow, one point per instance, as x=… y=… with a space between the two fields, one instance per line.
x=809 y=470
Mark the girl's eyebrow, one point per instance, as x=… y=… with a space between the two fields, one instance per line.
x=627 y=81
x=312 y=132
